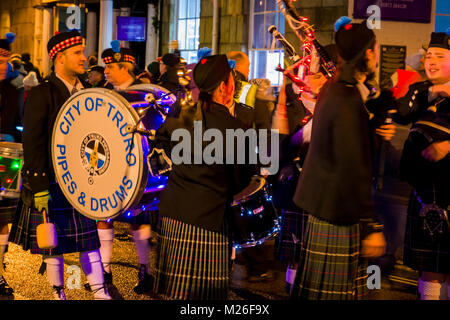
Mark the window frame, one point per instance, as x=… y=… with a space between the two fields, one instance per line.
x=187 y=18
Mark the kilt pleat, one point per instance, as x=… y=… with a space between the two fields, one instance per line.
x=292 y=224
x=76 y=233
x=192 y=262
x=421 y=250
x=7 y=209
x=330 y=266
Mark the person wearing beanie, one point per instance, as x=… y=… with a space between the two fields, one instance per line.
x=9 y=119
x=335 y=184
x=425 y=165
x=154 y=71
x=96 y=76
x=119 y=66
x=40 y=192
x=28 y=65
x=194 y=225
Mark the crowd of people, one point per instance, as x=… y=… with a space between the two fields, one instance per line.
x=331 y=129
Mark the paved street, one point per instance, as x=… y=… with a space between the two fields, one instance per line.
x=22 y=274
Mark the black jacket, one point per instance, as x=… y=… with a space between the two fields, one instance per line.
x=41 y=108
x=199 y=194
x=431 y=180
x=9 y=110
x=335 y=184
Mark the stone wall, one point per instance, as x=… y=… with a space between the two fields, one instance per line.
x=21 y=16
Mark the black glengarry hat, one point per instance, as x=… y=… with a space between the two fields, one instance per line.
x=352 y=39
x=62 y=41
x=116 y=54
x=440 y=40
x=5 y=44
x=210 y=71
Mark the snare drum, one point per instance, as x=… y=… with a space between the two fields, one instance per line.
x=11 y=159
x=253 y=215
x=98 y=154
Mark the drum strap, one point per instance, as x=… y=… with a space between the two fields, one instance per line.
x=434 y=125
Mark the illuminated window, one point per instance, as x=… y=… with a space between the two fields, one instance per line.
x=188 y=28
x=263 y=61
x=442 y=15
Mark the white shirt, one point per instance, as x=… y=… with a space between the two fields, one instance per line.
x=70 y=86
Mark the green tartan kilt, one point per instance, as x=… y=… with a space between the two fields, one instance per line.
x=76 y=233
x=330 y=265
x=192 y=263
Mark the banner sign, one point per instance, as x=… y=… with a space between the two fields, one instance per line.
x=396 y=10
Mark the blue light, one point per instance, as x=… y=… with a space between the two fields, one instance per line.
x=161 y=186
x=129 y=214
x=109 y=220
x=19 y=128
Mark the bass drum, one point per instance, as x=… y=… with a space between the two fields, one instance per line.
x=100 y=145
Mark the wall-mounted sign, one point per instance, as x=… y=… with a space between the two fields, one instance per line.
x=70 y=18
x=391 y=59
x=396 y=10
x=131 y=28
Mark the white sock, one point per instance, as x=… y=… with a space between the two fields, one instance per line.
x=444 y=294
x=106 y=246
x=55 y=270
x=290 y=275
x=141 y=239
x=3 y=246
x=91 y=263
x=429 y=290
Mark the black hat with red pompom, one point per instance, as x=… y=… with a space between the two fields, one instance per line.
x=210 y=71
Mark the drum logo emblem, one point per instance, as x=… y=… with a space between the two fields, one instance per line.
x=95 y=154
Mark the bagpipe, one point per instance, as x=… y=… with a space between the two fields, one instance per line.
x=306 y=34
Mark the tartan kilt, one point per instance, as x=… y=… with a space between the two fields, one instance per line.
x=330 y=266
x=76 y=233
x=293 y=224
x=144 y=217
x=422 y=251
x=7 y=210
x=192 y=263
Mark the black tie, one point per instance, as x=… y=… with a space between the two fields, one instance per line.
x=74 y=90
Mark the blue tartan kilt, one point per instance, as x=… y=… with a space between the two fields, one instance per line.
x=76 y=233
x=421 y=250
x=330 y=265
x=7 y=209
x=292 y=229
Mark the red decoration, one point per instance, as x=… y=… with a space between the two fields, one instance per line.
x=203 y=61
x=348 y=27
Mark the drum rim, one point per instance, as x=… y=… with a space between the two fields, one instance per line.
x=138 y=192
x=145 y=86
x=14 y=148
x=244 y=198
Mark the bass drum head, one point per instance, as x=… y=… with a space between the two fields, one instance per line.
x=98 y=164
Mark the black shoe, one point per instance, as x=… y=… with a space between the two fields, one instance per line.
x=108 y=277
x=5 y=289
x=107 y=281
x=146 y=281
x=263 y=277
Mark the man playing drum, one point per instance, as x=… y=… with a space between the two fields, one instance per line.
x=40 y=191
x=9 y=117
x=119 y=66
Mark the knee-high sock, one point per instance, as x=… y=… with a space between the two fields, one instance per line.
x=106 y=237
x=290 y=275
x=55 y=270
x=429 y=290
x=141 y=239
x=91 y=263
x=3 y=246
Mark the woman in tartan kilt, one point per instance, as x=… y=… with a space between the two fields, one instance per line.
x=425 y=165
x=335 y=184
x=75 y=233
x=193 y=246
x=293 y=118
